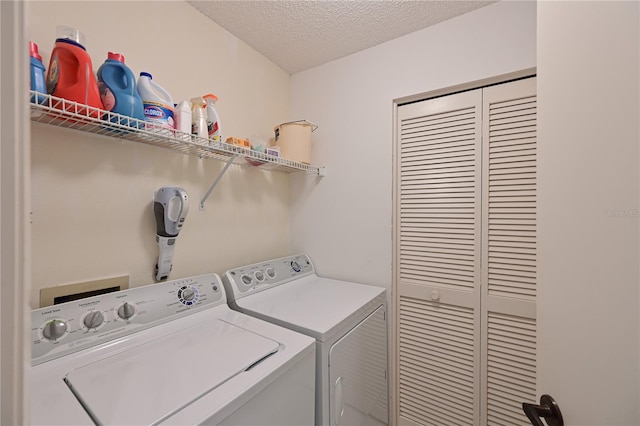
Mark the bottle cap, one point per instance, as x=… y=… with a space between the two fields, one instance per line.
x=33 y=51
x=70 y=33
x=211 y=96
x=115 y=56
x=199 y=101
x=146 y=74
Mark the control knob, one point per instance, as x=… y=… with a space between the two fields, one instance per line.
x=126 y=311
x=188 y=294
x=271 y=273
x=246 y=279
x=295 y=266
x=54 y=330
x=93 y=319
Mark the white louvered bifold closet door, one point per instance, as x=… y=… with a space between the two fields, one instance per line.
x=438 y=260
x=465 y=257
x=508 y=252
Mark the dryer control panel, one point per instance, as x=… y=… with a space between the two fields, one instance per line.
x=72 y=326
x=250 y=279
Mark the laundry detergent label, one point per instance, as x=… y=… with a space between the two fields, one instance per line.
x=106 y=96
x=212 y=127
x=53 y=75
x=158 y=113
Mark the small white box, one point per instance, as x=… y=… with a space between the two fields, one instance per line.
x=275 y=151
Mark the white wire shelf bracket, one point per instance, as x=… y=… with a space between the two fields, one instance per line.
x=51 y=110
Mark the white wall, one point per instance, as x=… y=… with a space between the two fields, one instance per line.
x=344 y=220
x=588 y=231
x=92 y=215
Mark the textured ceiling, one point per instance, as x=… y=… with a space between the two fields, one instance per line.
x=297 y=34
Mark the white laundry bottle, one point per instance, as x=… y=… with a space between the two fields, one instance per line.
x=213 y=119
x=183 y=120
x=158 y=104
x=199 y=118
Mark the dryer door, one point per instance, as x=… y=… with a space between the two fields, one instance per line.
x=358 y=374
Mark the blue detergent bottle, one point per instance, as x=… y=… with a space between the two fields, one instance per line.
x=38 y=82
x=118 y=92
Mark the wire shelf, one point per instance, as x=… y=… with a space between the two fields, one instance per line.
x=51 y=110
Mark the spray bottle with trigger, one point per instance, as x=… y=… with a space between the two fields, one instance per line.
x=213 y=119
x=170 y=207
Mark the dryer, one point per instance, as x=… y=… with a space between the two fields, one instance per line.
x=348 y=321
x=168 y=353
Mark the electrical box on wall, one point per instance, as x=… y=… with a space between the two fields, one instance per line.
x=66 y=293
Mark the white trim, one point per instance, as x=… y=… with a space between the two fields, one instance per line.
x=15 y=252
x=490 y=81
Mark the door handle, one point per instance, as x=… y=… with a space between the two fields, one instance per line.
x=338 y=402
x=548 y=409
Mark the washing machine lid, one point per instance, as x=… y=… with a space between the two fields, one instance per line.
x=312 y=305
x=150 y=382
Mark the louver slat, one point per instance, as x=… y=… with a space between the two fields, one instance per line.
x=426 y=147
x=440 y=257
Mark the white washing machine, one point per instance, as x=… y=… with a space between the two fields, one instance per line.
x=347 y=320
x=168 y=353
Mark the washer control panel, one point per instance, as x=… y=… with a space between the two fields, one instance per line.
x=249 y=279
x=69 y=327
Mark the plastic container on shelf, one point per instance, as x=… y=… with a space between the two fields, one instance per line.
x=158 y=104
x=183 y=120
x=70 y=74
x=213 y=119
x=273 y=151
x=38 y=82
x=294 y=140
x=118 y=91
x=244 y=143
x=257 y=144
x=199 y=118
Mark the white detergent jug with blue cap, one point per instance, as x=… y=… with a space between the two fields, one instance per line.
x=157 y=102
